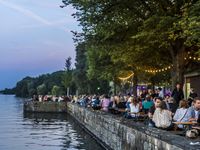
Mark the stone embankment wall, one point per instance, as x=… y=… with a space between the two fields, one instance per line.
x=53 y=107
x=123 y=134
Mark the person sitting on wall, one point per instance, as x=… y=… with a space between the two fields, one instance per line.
x=95 y=103
x=181 y=114
x=157 y=102
x=114 y=104
x=105 y=103
x=83 y=101
x=162 y=117
x=134 y=108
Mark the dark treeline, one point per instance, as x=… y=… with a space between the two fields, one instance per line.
x=73 y=81
x=44 y=84
x=8 y=91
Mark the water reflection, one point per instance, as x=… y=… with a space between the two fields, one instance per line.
x=39 y=131
x=60 y=129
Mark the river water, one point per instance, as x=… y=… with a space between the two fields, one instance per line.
x=19 y=131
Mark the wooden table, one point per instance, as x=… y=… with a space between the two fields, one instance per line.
x=186 y=125
x=198 y=127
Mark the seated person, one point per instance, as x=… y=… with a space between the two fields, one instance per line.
x=172 y=105
x=114 y=104
x=157 y=102
x=105 y=103
x=95 y=103
x=147 y=104
x=194 y=110
x=162 y=117
x=134 y=108
x=83 y=101
x=181 y=114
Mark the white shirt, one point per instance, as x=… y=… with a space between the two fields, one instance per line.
x=134 y=109
x=162 y=118
x=196 y=114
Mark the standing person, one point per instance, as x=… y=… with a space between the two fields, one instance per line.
x=160 y=92
x=177 y=94
x=191 y=97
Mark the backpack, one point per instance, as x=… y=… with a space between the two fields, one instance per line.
x=193 y=133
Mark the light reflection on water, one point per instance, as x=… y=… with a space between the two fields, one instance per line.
x=28 y=131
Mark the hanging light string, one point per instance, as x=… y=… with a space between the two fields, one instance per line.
x=192 y=58
x=126 y=78
x=148 y=71
x=159 y=70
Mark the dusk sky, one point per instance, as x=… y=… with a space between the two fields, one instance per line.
x=35 y=38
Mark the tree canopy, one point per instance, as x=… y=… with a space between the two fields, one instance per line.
x=137 y=34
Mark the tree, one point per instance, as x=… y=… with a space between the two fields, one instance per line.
x=41 y=89
x=68 y=64
x=67 y=76
x=56 y=90
x=67 y=81
x=148 y=29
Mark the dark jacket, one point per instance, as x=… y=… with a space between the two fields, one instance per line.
x=177 y=95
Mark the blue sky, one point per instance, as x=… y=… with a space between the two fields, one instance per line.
x=35 y=38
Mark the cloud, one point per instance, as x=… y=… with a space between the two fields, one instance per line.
x=25 y=11
x=58 y=23
x=44 y=22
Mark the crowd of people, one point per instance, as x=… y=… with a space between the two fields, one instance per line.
x=158 y=109
x=161 y=110
x=51 y=98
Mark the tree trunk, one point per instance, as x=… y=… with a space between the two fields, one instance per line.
x=115 y=88
x=68 y=91
x=178 y=54
x=135 y=83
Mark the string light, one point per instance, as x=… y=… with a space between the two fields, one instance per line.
x=161 y=69
x=158 y=70
x=126 y=78
x=192 y=58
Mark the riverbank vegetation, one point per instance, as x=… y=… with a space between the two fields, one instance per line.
x=124 y=43
x=66 y=82
x=152 y=39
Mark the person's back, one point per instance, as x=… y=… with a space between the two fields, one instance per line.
x=162 y=117
x=105 y=103
x=147 y=104
x=134 y=108
x=95 y=102
x=181 y=114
